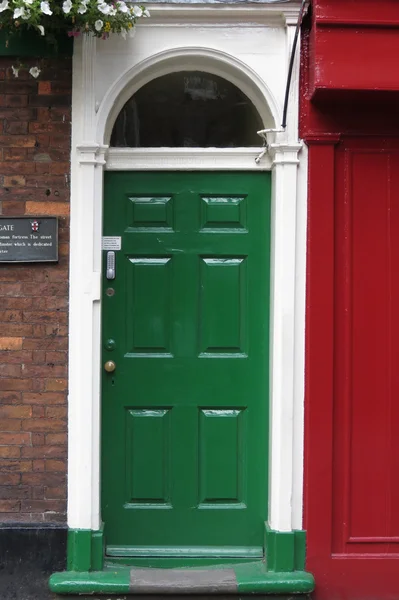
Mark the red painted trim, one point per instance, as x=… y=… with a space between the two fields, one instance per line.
x=319 y=346
x=371 y=11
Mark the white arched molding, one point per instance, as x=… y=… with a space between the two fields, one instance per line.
x=187 y=59
x=92 y=122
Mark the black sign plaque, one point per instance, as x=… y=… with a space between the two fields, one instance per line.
x=28 y=239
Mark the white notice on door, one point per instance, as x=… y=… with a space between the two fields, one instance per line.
x=112 y=242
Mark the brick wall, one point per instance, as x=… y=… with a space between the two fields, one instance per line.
x=34 y=180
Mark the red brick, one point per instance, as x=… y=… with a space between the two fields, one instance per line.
x=54 y=493
x=38 y=506
x=13 y=208
x=43 y=371
x=55 y=465
x=11 y=180
x=7 y=506
x=10 y=452
x=15 y=302
x=56 y=357
x=15 y=100
x=10 y=478
x=56 y=438
x=10 y=397
x=38 y=492
x=54 y=385
x=38 y=439
x=10 y=315
x=43 y=316
x=44 y=451
x=10 y=167
x=14 y=153
x=19 y=466
x=21 y=491
x=44 y=87
x=10 y=289
x=10 y=425
x=45 y=478
x=10 y=343
x=15 y=412
x=35 y=289
x=24 y=141
x=49 y=126
x=16 y=329
x=15 y=384
x=15 y=356
x=43 y=425
x=56 y=412
x=10 y=370
x=38 y=465
x=44 y=398
x=38 y=357
x=14 y=439
x=16 y=127
x=18 y=114
x=37 y=411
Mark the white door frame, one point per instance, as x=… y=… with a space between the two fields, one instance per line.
x=93 y=114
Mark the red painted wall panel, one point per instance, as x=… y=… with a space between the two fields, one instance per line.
x=356 y=58
x=355 y=44
x=366 y=276
x=352 y=384
x=357 y=11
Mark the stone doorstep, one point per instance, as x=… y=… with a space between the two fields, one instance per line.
x=249 y=578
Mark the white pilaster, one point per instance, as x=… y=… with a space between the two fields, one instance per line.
x=282 y=335
x=84 y=297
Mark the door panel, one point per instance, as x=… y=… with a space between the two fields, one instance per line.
x=185 y=414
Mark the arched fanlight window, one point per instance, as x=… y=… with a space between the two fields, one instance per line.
x=187 y=109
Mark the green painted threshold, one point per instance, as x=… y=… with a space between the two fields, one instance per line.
x=248 y=578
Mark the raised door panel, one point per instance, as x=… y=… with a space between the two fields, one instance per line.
x=366 y=413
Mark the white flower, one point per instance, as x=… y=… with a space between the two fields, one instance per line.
x=4 y=5
x=98 y=25
x=82 y=9
x=34 y=71
x=28 y=1
x=132 y=32
x=15 y=70
x=41 y=29
x=19 y=12
x=112 y=11
x=66 y=7
x=122 y=7
x=45 y=8
x=137 y=11
x=146 y=13
x=124 y=33
x=104 y=8
x=26 y=15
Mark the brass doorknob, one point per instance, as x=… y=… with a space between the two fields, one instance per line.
x=110 y=366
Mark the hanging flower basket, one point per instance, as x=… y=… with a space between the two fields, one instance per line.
x=51 y=18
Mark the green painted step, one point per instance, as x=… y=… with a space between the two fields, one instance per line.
x=249 y=578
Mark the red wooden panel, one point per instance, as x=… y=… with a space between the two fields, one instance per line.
x=381 y=12
x=352 y=380
x=355 y=58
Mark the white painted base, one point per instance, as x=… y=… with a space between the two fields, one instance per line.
x=249 y=46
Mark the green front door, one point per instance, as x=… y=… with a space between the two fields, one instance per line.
x=185 y=413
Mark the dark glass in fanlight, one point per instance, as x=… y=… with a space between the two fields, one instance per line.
x=187 y=109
